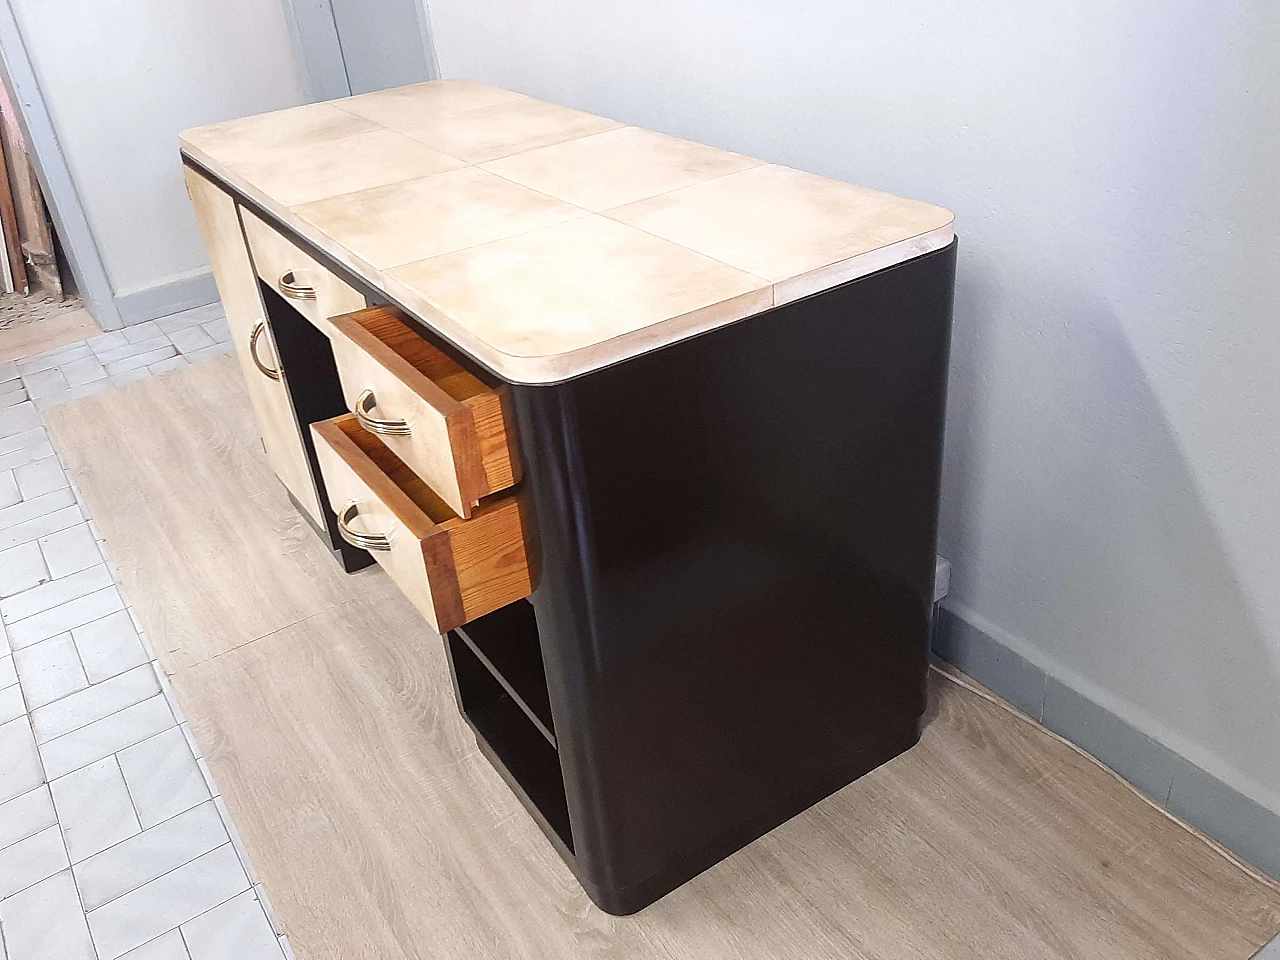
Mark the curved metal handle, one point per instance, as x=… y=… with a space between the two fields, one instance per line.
x=365 y=404
x=365 y=541
x=291 y=288
x=254 y=334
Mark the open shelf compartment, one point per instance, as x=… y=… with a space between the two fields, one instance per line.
x=506 y=642
x=522 y=753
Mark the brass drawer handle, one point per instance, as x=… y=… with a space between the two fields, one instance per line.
x=254 y=335
x=294 y=290
x=365 y=404
x=365 y=541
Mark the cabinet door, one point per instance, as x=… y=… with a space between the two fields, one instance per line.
x=238 y=286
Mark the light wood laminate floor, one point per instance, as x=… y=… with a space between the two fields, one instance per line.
x=48 y=333
x=323 y=706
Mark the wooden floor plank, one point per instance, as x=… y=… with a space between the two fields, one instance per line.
x=381 y=832
x=37 y=336
x=209 y=548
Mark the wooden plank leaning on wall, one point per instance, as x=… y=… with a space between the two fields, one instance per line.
x=29 y=240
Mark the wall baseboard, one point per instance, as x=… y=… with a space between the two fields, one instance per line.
x=1270 y=952
x=174 y=295
x=1188 y=791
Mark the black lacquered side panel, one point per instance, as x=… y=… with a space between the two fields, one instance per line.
x=737 y=540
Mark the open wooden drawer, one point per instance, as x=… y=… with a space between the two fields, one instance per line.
x=283 y=266
x=454 y=570
x=437 y=417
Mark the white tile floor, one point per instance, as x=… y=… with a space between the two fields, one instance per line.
x=114 y=841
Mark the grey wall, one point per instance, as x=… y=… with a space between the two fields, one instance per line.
x=316 y=48
x=119 y=81
x=382 y=43
x=347 y=47
x=1112 y=459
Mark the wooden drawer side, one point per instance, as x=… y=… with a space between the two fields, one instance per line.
x=452 y=569
x=459 y=441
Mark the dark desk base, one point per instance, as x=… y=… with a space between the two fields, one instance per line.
x=733 y=551
x=624 y=901
x=736 y=541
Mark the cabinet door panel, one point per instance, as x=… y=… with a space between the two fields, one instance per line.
x=238 y=286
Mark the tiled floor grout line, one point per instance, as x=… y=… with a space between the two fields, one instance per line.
x=161 y=876
x=105 y=716
x=80 y=899
x=158 y=823
x=61 y=839
x=62 y=697
x=89 y=658
x=79 y=657
x=179 y=929
x=133 y=804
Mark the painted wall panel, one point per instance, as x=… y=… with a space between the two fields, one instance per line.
x=1110 y=492
x=120 y=80
x=382 y=43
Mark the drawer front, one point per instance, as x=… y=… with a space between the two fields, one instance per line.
x=442 y=421
x=453 y=570
x=297 y=276
x=238 y=288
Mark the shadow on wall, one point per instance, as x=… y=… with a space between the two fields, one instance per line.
x=1075 y=522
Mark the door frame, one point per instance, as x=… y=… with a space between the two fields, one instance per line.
x=317 y=43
